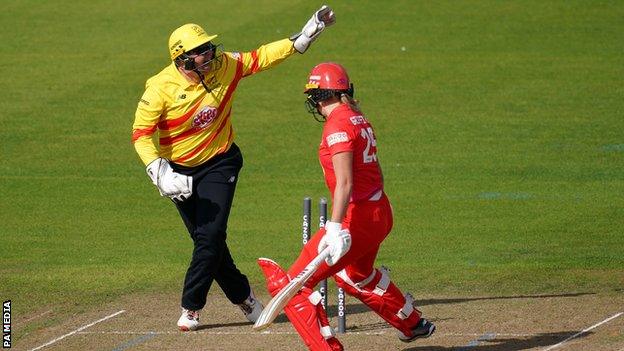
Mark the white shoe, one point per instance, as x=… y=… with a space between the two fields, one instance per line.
x=251 y=307
x=189 y=320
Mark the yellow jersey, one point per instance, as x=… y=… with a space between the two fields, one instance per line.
x=191 y=124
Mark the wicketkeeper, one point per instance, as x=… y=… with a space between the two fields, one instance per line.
x=361 y=218
x=183 y=133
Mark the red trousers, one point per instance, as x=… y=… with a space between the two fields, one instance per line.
x=369 y=222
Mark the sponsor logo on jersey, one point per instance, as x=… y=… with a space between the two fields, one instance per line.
x=358 y=120
x=182 y=97
x=236 y=55
x=338 y=137
x=204 y=117
x=145 y=102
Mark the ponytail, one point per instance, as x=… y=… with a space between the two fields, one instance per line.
x=353 y=104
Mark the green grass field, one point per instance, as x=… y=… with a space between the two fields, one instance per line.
x=500 y=125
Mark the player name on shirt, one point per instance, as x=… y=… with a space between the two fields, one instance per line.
x=357 y=120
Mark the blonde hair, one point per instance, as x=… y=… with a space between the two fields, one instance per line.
x=353 y=103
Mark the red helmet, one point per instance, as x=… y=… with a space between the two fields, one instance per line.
x=328 y=76
x=326 y=80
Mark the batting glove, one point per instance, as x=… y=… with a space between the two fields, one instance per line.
x=337 y=239
x=322 y=18
x=178 y=187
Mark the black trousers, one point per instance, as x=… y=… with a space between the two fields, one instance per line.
x=205 y=215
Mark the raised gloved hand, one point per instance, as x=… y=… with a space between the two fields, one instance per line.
x=322 y=18
x=176 y=186
x=338 y=240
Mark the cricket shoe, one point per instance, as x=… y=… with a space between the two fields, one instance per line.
x=251 y=307
x=189 y=320
x=423 y=329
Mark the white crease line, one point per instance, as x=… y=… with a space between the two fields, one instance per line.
x=134 y=342
x=114 y=332
x=77 y=330
x=31 y=318
x=205 y=332
x=477 y=341
x=584 y=331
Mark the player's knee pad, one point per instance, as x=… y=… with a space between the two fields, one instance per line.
x=304 y=310
x=381 y=295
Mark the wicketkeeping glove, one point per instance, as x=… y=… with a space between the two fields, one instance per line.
x=322 y=18
x=176 y=186
x=338 y=240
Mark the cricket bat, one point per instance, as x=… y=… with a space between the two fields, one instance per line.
x=280 y=300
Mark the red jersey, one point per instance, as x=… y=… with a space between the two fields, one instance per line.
x=349 y=131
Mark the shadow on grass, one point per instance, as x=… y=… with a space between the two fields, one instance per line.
x=504 y=344
x=361 y=308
